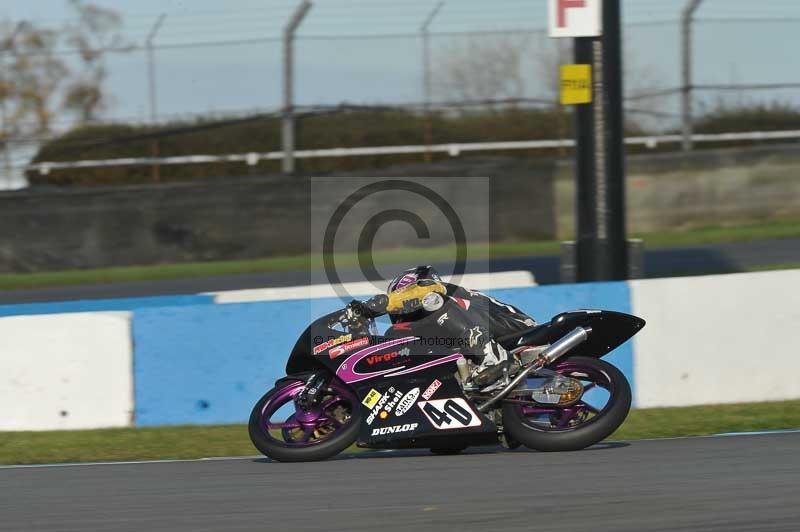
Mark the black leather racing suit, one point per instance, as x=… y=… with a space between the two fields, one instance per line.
x=473 y=318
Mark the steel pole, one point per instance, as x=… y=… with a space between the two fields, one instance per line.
x=686 y=68
x=427 y=84
x=151 y=66
x=155 y=170
x=586 y=188
x=600 y=236
x=288 y=125
x=427 y=87
x=611 y=211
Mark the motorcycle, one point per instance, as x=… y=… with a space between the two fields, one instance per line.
x=411 y=388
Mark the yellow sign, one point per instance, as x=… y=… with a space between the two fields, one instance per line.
x=371 y=399
x=576 y=84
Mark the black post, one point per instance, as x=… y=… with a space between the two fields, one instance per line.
x=601 y=252
x=586 y=219
x=616 y=256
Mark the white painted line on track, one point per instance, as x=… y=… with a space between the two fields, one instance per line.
x=132 y=462
x=760 y=433
x=381 y=451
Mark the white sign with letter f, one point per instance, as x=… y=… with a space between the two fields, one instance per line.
x=576 y=18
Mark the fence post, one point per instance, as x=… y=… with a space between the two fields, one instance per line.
x=686 y=89
x=151 y=86
x=427 y=88
x=287 y=134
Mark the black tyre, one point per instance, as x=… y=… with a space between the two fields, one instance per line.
x=301 y=436
x=580 y=425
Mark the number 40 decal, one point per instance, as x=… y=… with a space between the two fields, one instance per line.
x=452 y=413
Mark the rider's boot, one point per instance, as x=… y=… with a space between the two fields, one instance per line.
x=495 y=361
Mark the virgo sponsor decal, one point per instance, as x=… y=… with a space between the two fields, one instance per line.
x=407 y=402
x=384 y=357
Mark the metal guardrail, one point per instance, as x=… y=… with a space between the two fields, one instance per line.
x=453 y=149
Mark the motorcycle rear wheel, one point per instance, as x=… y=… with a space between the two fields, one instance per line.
x=579 y=425
x=305 y=436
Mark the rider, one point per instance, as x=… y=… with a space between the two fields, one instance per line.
x=419 y=293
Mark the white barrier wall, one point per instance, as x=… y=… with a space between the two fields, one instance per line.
x=67 y=371
x=475 y=281
x=717 y=339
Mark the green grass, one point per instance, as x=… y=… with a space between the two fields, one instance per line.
x=705 y=420
x=771 y=267
x=722 y=234
x=665 y=239
x=188 y=442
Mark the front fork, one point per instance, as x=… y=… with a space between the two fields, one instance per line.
x=308 y=399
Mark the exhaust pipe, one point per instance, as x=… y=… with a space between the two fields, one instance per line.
x=558 y=349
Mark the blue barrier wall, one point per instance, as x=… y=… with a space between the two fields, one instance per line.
x=209 y=364
x=544 y=302
x=100 y=305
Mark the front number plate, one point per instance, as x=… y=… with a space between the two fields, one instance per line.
x=453 y=413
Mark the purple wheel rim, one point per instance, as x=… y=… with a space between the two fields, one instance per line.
x=580 y=414
x=306 y=428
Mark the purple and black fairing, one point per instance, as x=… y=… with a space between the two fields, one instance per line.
x=389 y=376
x=405 y=380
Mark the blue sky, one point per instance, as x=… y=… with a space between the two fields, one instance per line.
x=372 y=70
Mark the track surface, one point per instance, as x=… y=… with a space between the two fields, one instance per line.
x=694 y=260
x=735 y=483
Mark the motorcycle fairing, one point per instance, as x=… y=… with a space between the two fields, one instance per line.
x=422 y=344
x=609 y=331
x=396 y=413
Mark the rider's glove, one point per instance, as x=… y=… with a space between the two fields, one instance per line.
x=371 y=308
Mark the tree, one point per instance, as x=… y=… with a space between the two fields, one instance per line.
x=96 y=30
x=37 y=82
x=514 y=67
x=35 y=73
x=482 y=69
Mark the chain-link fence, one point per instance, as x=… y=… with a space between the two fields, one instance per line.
x=449 y=58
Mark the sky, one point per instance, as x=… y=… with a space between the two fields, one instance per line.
x=231 y=77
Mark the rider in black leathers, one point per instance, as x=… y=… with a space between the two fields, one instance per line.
x=456 y=312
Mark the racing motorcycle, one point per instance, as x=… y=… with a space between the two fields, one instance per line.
x=411 y=388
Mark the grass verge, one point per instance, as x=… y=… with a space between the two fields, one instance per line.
x=664 y=239
x=188 y=442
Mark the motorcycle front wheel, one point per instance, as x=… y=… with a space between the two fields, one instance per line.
x=602 y=407
x=282 y=430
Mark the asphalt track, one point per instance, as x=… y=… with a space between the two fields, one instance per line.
x=733 y=483
x=692 y=260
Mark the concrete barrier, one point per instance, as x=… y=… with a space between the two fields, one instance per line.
x=103 y=305
x=476 y=281
x=69 y=371
x=210 y=364
x=718 y=339
x=713 y=339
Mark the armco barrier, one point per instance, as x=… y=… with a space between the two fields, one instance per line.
x=718 y=339
x=65 y=372
x=210 y=364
